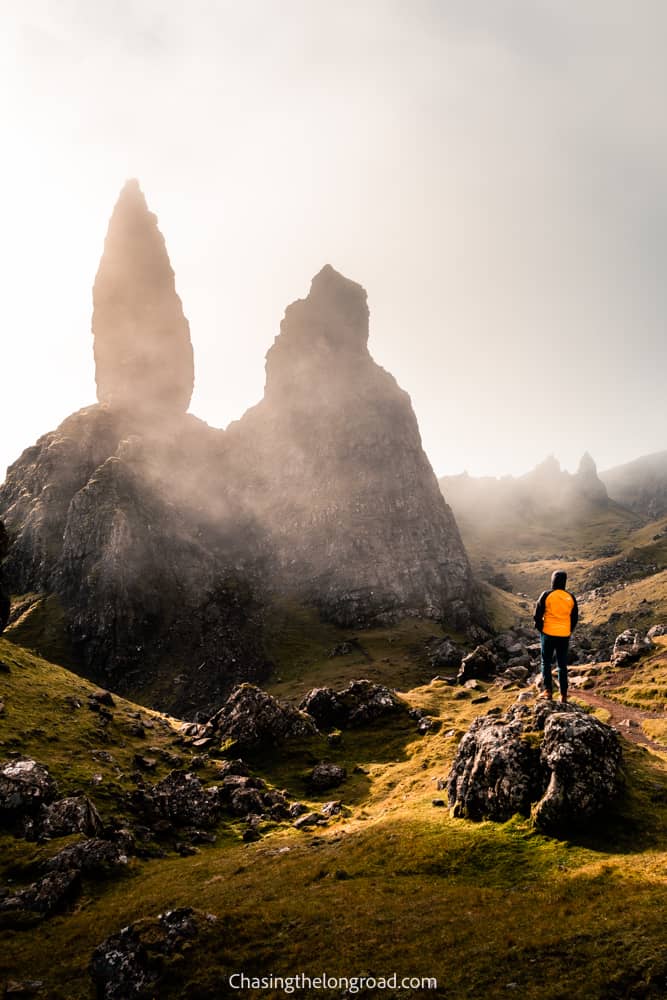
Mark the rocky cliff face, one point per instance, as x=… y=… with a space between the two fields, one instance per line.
x=331 y=462
x=163 y=538
x=110 y=516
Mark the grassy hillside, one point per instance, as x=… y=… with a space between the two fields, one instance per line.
x=393 y=884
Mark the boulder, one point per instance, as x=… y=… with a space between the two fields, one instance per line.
x=180 y=799
x=629 y=646
x=132 y=964
x=325 y=776
x=252 y=718
x=25 y=787
x=656 y=630
x=547 y=760
x=481 y=663
x=446 y=655
x=76 y=814
x=359 y=703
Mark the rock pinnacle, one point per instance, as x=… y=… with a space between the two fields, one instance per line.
x=142 y=348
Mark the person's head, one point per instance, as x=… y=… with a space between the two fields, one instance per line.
x=558 y=579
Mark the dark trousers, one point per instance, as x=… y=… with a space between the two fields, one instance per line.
x=558 y=644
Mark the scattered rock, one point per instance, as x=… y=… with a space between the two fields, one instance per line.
x=481 y=663
x=25 y=786
x=251 y=718
x=550 y=761
x=629 y=646
x=76 y=814
x=325 y=776
x=446 y=655
x=131 y=965
x=180 y=799
x=656 y=630
x=358 y=704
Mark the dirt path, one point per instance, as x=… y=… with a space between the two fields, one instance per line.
x=620 y=715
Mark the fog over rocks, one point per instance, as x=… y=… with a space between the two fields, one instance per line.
x=165 y=539
x=143 y=354
x=332 y=462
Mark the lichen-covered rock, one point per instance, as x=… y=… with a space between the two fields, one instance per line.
x=25 y=787
x=180 y=799
x=132 y=964
x=60 y=883
x=143 y=353
x=481 y=663
x=252 y=718
x=582 y=757
x=629 y=646
x=357 y=704
x=76 y=814
x=656 y=630
x=326 y=775
x=551 y=761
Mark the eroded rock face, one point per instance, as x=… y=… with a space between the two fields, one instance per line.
x=551 y=761
x=143 y=354
x=122 y=522
x=252 y=718
x=331 y=459
x=164 y=539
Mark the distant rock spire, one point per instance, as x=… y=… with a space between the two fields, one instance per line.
x=588 y=482
x=143 y=353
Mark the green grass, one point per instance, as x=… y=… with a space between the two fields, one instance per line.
x=393 y=884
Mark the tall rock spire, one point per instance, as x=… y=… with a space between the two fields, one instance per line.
x=143 y=353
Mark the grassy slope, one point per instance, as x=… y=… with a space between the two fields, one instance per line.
x=393 y=885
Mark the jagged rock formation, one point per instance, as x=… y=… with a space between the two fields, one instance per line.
x=640 y=485
x=332 y=463
x=143 y=354
x=553 y=762
x=163 y=538
x=112 y=516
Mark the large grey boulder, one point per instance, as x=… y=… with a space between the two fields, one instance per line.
x=551 y=761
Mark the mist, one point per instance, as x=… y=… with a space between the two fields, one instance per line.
x=492 y=174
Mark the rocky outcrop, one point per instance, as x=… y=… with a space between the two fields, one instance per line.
x=553 y=762
x=587 y=483
x=164 y=539
x=332 y=462
x=143 y=355
x=4 y=595
x=60 y=881
x=132 y=964
x=26 y=787
x=251 y=718
x=357 y=704
x=629 y=646
x=118 y=520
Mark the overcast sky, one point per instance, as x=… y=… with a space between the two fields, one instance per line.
x=492 y=171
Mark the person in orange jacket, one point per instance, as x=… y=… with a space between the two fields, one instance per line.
x=556 y=615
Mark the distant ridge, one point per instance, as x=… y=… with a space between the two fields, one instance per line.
x=641 y=484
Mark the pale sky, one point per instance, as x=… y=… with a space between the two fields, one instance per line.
x=492 y=171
